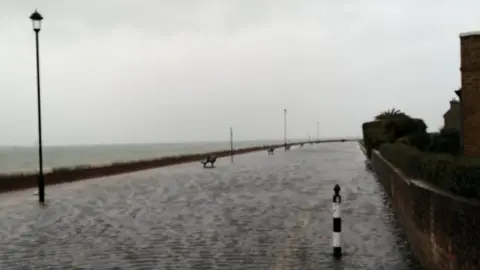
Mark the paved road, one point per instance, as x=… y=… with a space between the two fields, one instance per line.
x=263 y=212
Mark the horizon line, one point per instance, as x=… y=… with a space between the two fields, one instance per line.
x=177 y=142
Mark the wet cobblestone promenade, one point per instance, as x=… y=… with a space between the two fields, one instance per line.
x=262 y=212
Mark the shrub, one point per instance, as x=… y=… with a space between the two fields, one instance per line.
x=464 y=180
x=400 y=127
x=419 y=140
x=389 y=114
x=446 y=141
x=373 y=135
x=412 y=131
x=450 y=132
x=406 y=158
x=459 y=175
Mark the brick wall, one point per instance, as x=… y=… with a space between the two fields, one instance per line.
x=443 y=229
x=470 y=68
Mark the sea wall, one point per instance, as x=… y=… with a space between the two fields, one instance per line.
x=17 y=181
x=442 y=228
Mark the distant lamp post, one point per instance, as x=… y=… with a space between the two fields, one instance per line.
x=285 y=128
x=231 y=144
x=37 y=25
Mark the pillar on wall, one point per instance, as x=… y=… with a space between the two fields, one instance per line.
x=470 y=92
x=459 y=94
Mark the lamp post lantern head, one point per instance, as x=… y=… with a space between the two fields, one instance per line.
x=336 y=189
x=36 y=21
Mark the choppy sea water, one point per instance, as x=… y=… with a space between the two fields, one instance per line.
x=16 y=159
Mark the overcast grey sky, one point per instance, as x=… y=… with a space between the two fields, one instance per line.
x=116 y=71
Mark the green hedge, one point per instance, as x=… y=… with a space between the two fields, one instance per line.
x=419 y=140
x=446 y=141
x=459 y=175
x=373 y=135
x=376 y=133
x=400 y=127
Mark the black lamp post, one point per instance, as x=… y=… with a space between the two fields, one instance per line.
x=231 y=144
x=37 y=24
x=285 y=128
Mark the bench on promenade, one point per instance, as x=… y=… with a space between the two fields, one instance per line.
x=209 y=159
x=287 y=147
x=270 y=151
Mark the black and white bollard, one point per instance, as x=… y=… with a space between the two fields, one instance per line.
x=337 y=222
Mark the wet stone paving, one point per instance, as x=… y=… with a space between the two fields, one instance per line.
x=261 y=212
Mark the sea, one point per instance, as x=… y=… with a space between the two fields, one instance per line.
x=25 y=159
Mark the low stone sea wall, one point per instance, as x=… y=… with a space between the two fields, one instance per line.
x=17 y=181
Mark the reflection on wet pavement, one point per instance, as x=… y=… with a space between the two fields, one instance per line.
x=262 y=212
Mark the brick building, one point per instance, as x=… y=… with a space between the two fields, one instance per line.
x=470 y=92
x=452 y=117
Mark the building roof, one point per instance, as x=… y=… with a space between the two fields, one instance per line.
x=454 y=104
x=447 y=112
x=471 y=33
